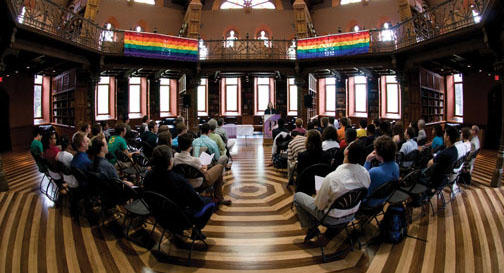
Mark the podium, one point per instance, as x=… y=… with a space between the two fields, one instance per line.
x=270 y=123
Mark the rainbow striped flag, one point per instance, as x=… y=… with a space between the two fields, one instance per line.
x=158 y=46
x=333 y=45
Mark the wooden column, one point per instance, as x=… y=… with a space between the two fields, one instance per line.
x=302 y=87
x=302 y=20
x=281 y=95
x=373 y=97
x=191 y=112
x=411 y=107
x=154 y=98
x=91 y=9
x=84 y=96
x=122 y=97
x=192 y=20
x=497 y=174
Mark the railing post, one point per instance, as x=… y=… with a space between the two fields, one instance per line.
x=247 y=47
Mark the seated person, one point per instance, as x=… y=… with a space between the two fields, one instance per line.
x=145 y=126
x=95 y=131
x=165 y=138
x=270 y=110
x=474 y=138
x=398 y=135
x=348 y=176
x=205 y=141
x=314 y=153
x=180 y=129
x=36 y=147
x=324 y=123
x=161 y=179
x=299 y=127
x=422 y=136
x=442 y=165
x=105 y=129
x=98 y=150
x=350 y=136
x=65 y=156
x=330 y=138
x=437 y=141
x=150 y=136
x=343 y=123
x=371 y=134
x=215 y=137
x=280 y=128
x=51 y=150
x=213 y=175
x=316 y=125
x=296 y=145
x=117 y=143
x=84 y=128
x=361 y=132
x=464 y=144
x=409 y=146
x=81 y=160
x=220 y=131
x=388 y=170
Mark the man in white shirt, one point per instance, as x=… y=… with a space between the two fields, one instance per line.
x=296 y=146
x=213 y=176
x=463 y=145
x=475 y=142
x=409 y=146
x=348 y=176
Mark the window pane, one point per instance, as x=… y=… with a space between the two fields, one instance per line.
x=231 y=80
x=360 y=97
x=38 y=79
x=103 y=99
x=360 y=79
x=293 y=98
x=134 y=80
x=164 y=81
x=134 y=99
x=344 y=2
x=202 y=98
x=459 y=99
x=262 y=97
x=203 y=81
x=392 y=98
x=262 y=80
x=390 y=79
x=330 y=80
x=104 y=80
x=457 y=77
x=330 y=98
x=37 y=101
x=164 y=98
x=150 y=2
x=232 y=98
x=291 y=81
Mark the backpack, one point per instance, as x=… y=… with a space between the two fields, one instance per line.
x=394 y=226
x=280 y=160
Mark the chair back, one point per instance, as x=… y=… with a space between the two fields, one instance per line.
x=347 y=201
x=63 y=169
x=410 y=179
x=384 y=191
x=187 y=171
x=282 y=142
x=147 y=148
x=305 y=182
x=166 y=212
x=40 y=163
x=80 y=176
x=121 y=156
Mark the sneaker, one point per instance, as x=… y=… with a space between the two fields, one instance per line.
x=312 y=233
x=225 y=202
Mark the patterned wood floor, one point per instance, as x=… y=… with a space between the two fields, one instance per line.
x=259 y=232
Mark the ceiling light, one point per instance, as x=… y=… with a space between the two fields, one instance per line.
x=469 y=66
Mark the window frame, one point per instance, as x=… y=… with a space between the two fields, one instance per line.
x=235 y=5
x=461 y=84
x=384 y=84
x=352 y=98
x=41 y=84
x=205 y=112
x=223 y=97
x=173 y=93
x=290 y=111
x=111 y=100
x=348 y=2
x=143 y=85
x=271 y=94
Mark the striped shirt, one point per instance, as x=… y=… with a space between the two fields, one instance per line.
x=296 y=146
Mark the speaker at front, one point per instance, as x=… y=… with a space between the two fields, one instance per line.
x=186 y=100
x=308 y=101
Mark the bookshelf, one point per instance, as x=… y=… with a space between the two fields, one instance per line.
x=432 y=94
x=63 y=98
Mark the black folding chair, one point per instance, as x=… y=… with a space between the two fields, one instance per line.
x=305 y=182
x=42 y=167
x=170 y=217
x=190 y=172
x=374 y=203
x=345 y=202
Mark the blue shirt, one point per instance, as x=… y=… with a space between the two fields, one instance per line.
x=81 y=161
x=174 y=142
x=205 y=141
x=437 y=142
x=387 y=171
x=408 y=147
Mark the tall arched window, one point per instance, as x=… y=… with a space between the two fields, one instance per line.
x=203 y=50
x=254 y=4
x=386 y=34
x=230 y=38
x=291 y=52
x=108 y=34
x=263 y=35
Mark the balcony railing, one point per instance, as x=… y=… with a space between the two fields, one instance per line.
x=56 y=21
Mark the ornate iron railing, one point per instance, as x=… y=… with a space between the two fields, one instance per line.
x=56 y=21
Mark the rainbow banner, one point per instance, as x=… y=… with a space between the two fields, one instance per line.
x=158 y=46
x=333 y=45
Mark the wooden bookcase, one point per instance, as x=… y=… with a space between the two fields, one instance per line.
x=432 y=93
x=63 y=98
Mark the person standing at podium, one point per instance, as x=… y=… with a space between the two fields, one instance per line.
x=270 y=110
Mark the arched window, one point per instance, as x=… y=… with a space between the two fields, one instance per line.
x=356 y=28
x=386 y=34
x=138 y=29
x=254 y=4
x=230 y=38
x=107 y=35
x=263 y=35
x=291 y=52
x=203 y=50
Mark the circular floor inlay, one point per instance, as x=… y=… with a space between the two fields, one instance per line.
x=248 y=189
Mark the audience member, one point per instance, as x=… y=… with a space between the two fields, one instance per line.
x=350 y=136
x=65 y=156
x=475 y=139
x=213 y=175
x=377 y=123
x=95 y=131
x=126 y=121
x=331 y=121
x=145 y=126
x=310 y=125
x=36 y=147
x=163 y=128
x=215 y=137
x=361 y=132
x=150 y=136
x=280 y=128
x=51 y=150
x=205 y=141
x=81 y=160
x=409 y=146
x=220 y=131
x=398 y=135
x=341 y=131
x=165 y=138
x=422 y=136
x=371 y=133
x=346 y=177
x=98 y=150
x=163 y=180
x=388 y=170
x=296 y=145
x=84 y=128
x=464 y=144
x=442 y=164
x=385 y=128
x=313 y=154
x=316 y=125
x=437 y=141
x=180 y=129
x=106 y=129
x=118 y=144
x=330 y=139
x=270 y=110
x=299 y=127
x=324 y=123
